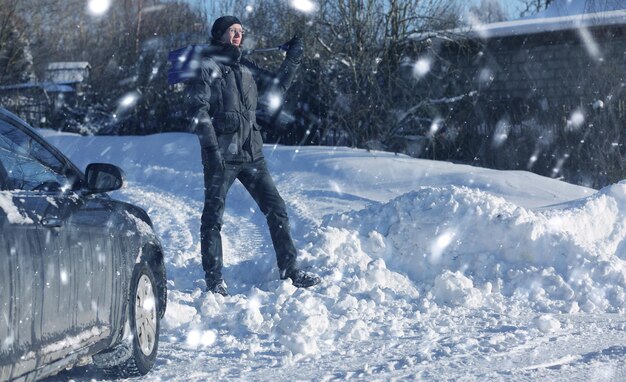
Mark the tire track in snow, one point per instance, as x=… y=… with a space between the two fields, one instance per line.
x=291 y=189
x=177 y=224
x=246 y=242
x=245 y=236
x=176 y=221
x=312 y=199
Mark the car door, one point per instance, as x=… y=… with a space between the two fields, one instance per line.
x=86 y=227
x=79 y=239
x=21 y=283
x=74 y=258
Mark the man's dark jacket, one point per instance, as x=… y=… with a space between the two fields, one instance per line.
x=222 y=100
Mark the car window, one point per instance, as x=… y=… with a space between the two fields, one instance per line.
x=28 y=165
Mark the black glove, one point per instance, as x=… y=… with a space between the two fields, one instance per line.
x=296 y=48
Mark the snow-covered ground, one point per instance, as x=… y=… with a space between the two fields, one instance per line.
x=431 y=271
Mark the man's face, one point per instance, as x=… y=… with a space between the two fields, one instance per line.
x=233 y=35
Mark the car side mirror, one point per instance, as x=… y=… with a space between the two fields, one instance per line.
x=103 y=177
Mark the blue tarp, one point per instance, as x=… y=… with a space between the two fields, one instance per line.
x=183 y=62
x=46 y=86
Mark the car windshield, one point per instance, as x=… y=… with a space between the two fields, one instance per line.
x=28 y=165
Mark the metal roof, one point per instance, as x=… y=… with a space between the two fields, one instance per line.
x=67 y=72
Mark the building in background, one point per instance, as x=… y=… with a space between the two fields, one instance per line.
x=545 y=93
x=64 y=87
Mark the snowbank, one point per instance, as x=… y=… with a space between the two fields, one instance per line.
x=432 y=249
x=462 y=245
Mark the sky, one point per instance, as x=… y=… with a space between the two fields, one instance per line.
x=430 y=270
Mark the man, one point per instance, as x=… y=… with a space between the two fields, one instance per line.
x=222 y=96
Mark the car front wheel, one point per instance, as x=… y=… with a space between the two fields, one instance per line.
x=144 y=322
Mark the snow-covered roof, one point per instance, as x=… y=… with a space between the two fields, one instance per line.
x=67 y=72
x=68 y=65
x=561 y=15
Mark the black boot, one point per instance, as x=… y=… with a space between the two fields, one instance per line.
x=217 y=287
x=301 y=279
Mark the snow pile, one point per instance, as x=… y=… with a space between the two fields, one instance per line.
x=456 y=289
x=436 y=248
x=299 y=322
x=547 y=323
x=462 y=245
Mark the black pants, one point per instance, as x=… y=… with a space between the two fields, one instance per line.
x=218 y=178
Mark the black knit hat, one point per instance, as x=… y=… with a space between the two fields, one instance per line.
x=220 y=25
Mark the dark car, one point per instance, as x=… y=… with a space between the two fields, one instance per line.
x=82 y=277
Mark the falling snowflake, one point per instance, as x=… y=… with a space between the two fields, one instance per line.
x=129 y=100
x=421 y=67
x=98 y=7
x=305 y=6
x=576 y=119
x=275 y=100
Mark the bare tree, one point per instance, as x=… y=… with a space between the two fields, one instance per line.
x=126 y=47
x=348 y=87
x=488 y=11
x=530 y=7
x=214 y=9
x=16 y=62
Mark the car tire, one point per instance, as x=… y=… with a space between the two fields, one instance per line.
x=144 y=321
